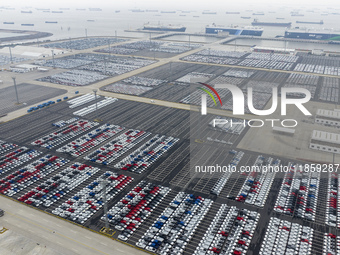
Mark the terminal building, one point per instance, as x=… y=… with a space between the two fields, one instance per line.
x=325 y=141
x=327 y=117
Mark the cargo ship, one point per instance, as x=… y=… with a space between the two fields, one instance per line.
x=296 y=14
x=137 y=10
x=234 y=30
x=8 y=23
x=26 y=11
x=258 y=13
x=245 y=17
x=310 y=34
x=168 y=11
x=51 y=22
x=272 y=24
x=95 y=9
x=311 y=22
x=169 y=28
x=31 y=25
x=151 y=10
x=232 y=13
x=57 y=11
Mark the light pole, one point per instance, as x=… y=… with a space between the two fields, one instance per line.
x=95 y=97
x=53 y=58
x=16 y=90
x=10 y=52
x=105 y=206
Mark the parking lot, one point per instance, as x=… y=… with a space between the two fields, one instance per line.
x=67 y=158
x=27 y=93
x=53 y=177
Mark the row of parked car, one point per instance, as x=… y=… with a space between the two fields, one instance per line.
x=144 y=156
x=256 y=187
x=299 y=193
x=81 y=206
x=74 y=78
x=16 y=158
x=230 y=232
x=82 y=44
x=84 y=99
x=65 y=133
x=29 y=174
x=59 y=185
x=174 y=228
x=333 y=200
x=62 y=123
x=212 y=60
x=144 y=81
x=219 y=185
x=285 y=237
x=93 y=107
x=295 y=78
x=90 y=140
x=222 y=53
x=269 y=64
x=127 y=89
x=331 y=244
x=131 y=211
x=5 y=146
x=117 y=147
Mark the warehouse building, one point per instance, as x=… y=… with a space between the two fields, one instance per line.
x=325 y=141
x=327 y=117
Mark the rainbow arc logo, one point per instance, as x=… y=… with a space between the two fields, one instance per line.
x=209 y=93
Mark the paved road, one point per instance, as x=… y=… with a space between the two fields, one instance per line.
x=58 y=235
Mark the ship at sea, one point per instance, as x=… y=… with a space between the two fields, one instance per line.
x=234 y=30
x=258 y=13
x=168 y=11
x=312 y=34
x=137 y=10
x=95 y=9
x=8 y=23
x=51 y=22
x=169 y=28
x=232 y=13
x=26 y=11
x=245 y=17
x=296 y=14
x=57 y=11
x=311 y=22
x=31 y=25
x=209 y=12
x=272 y=24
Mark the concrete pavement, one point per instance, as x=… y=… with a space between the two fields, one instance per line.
x=59 y=236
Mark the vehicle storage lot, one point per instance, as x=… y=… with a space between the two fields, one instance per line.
x=145 y=207
x=28 y=93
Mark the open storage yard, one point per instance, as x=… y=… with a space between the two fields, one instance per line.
x=69 y=157
x=28 y=94
x=181 y=215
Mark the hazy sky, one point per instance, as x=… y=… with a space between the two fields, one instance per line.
x=174 y=4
